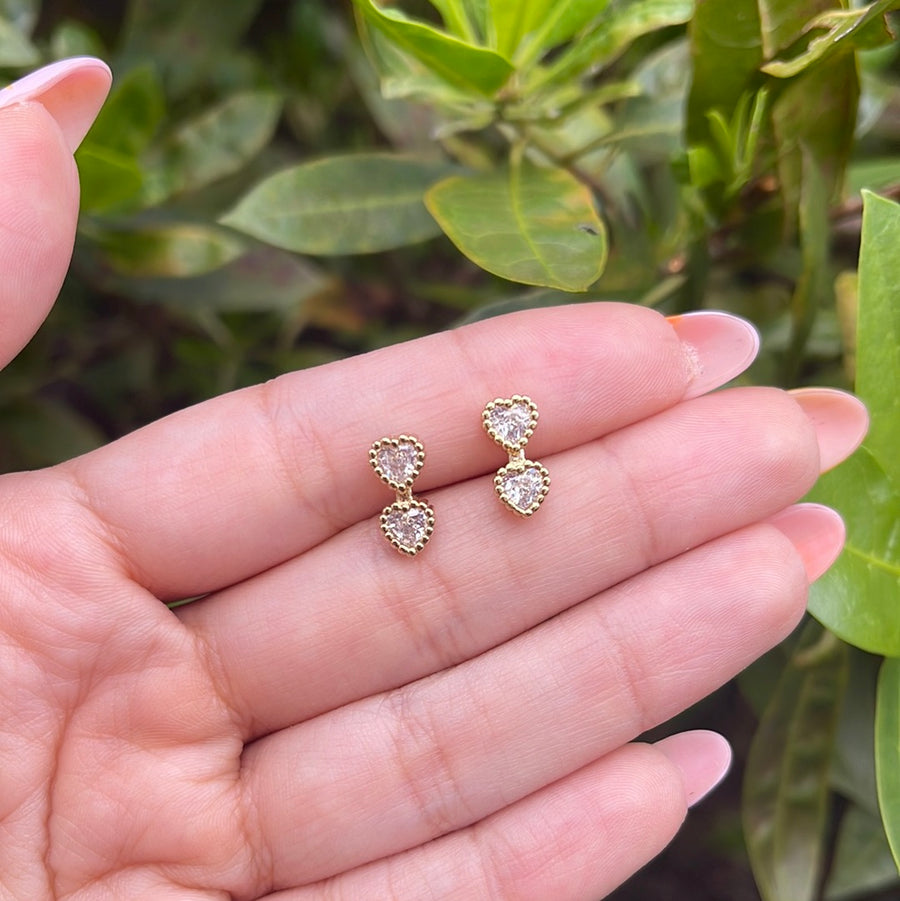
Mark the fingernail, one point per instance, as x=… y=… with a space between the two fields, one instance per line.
x=72 y=91
x=718 y=347
x=704 y=759
x=817 y=532
x=841 y=422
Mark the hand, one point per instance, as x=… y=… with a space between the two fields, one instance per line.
x=335 y=720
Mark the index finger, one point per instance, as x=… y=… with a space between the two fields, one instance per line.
x=229 y=488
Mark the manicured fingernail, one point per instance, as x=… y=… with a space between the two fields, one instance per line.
x=841 y=422
x=704 y=759
x=72 y=91
x=817 y=532
x=718 y=347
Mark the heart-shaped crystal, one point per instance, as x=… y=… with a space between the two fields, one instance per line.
x=408 y=525
x=397 y=461
x=511 y=421
x=522 y=486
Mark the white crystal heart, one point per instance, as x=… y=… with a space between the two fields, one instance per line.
x=511 y=421
x=397 y=461
x=408 y=525
x=522 y=486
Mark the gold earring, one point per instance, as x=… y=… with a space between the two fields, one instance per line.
x=522 y=484
x=408 y=522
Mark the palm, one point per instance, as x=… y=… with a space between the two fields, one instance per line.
x=127 y=762
x=333 y=719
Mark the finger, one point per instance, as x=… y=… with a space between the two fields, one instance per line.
x=575 y=840
x=443 y=753
x=229 y=488
x=631 y=500
x=42 y=119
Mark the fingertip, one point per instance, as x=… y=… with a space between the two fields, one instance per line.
x=703 y=758
x=840 y=420
x=718 y=347
x=71 y=90
x=816 y=531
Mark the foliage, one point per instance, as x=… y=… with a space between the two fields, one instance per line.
x=647 y=150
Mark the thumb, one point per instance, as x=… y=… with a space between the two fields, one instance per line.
x=43 y=118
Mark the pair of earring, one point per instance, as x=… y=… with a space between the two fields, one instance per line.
x=521 y=484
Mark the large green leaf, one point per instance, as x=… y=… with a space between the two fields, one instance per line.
x=359 y=203
x=474 y=69
x=786 y=779
x=615 y=31
x=528 y=224
x=887 y=751
x=526 y=29
x=878 y=331
x=857 y=598
x=215 y=144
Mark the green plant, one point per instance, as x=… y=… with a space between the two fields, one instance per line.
x=641 y=150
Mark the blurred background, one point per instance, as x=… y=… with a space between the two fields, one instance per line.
x=742 y=195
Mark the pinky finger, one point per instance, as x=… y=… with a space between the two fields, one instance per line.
x=575 y=840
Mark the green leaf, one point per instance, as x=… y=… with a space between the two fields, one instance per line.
x=853 y=770
x=726 y=52
x=857 y=598
x=786 y=779
x=164 y=250
x=526 y=29
x=878 y=331
x=783 y=21
x=814 y=287
x=215 y=144
x=263 y=279
x=456 y=19
x=110 y=180
x=862 y=861
x=526 y=224
x=887 y=752
x=816 y=113
x=844 y=29
x=473 y=69
x=615 y=31
x=359 y=203
x=15 y=49
x=132 y=113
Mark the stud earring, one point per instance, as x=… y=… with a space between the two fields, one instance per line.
x=522 y=484
x=408 y=522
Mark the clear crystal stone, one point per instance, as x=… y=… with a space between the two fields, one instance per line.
x=511 y=423
x=522 y=489
x=409 y=527
x=399 y=462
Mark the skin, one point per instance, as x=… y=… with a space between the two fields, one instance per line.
x=334 y=720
